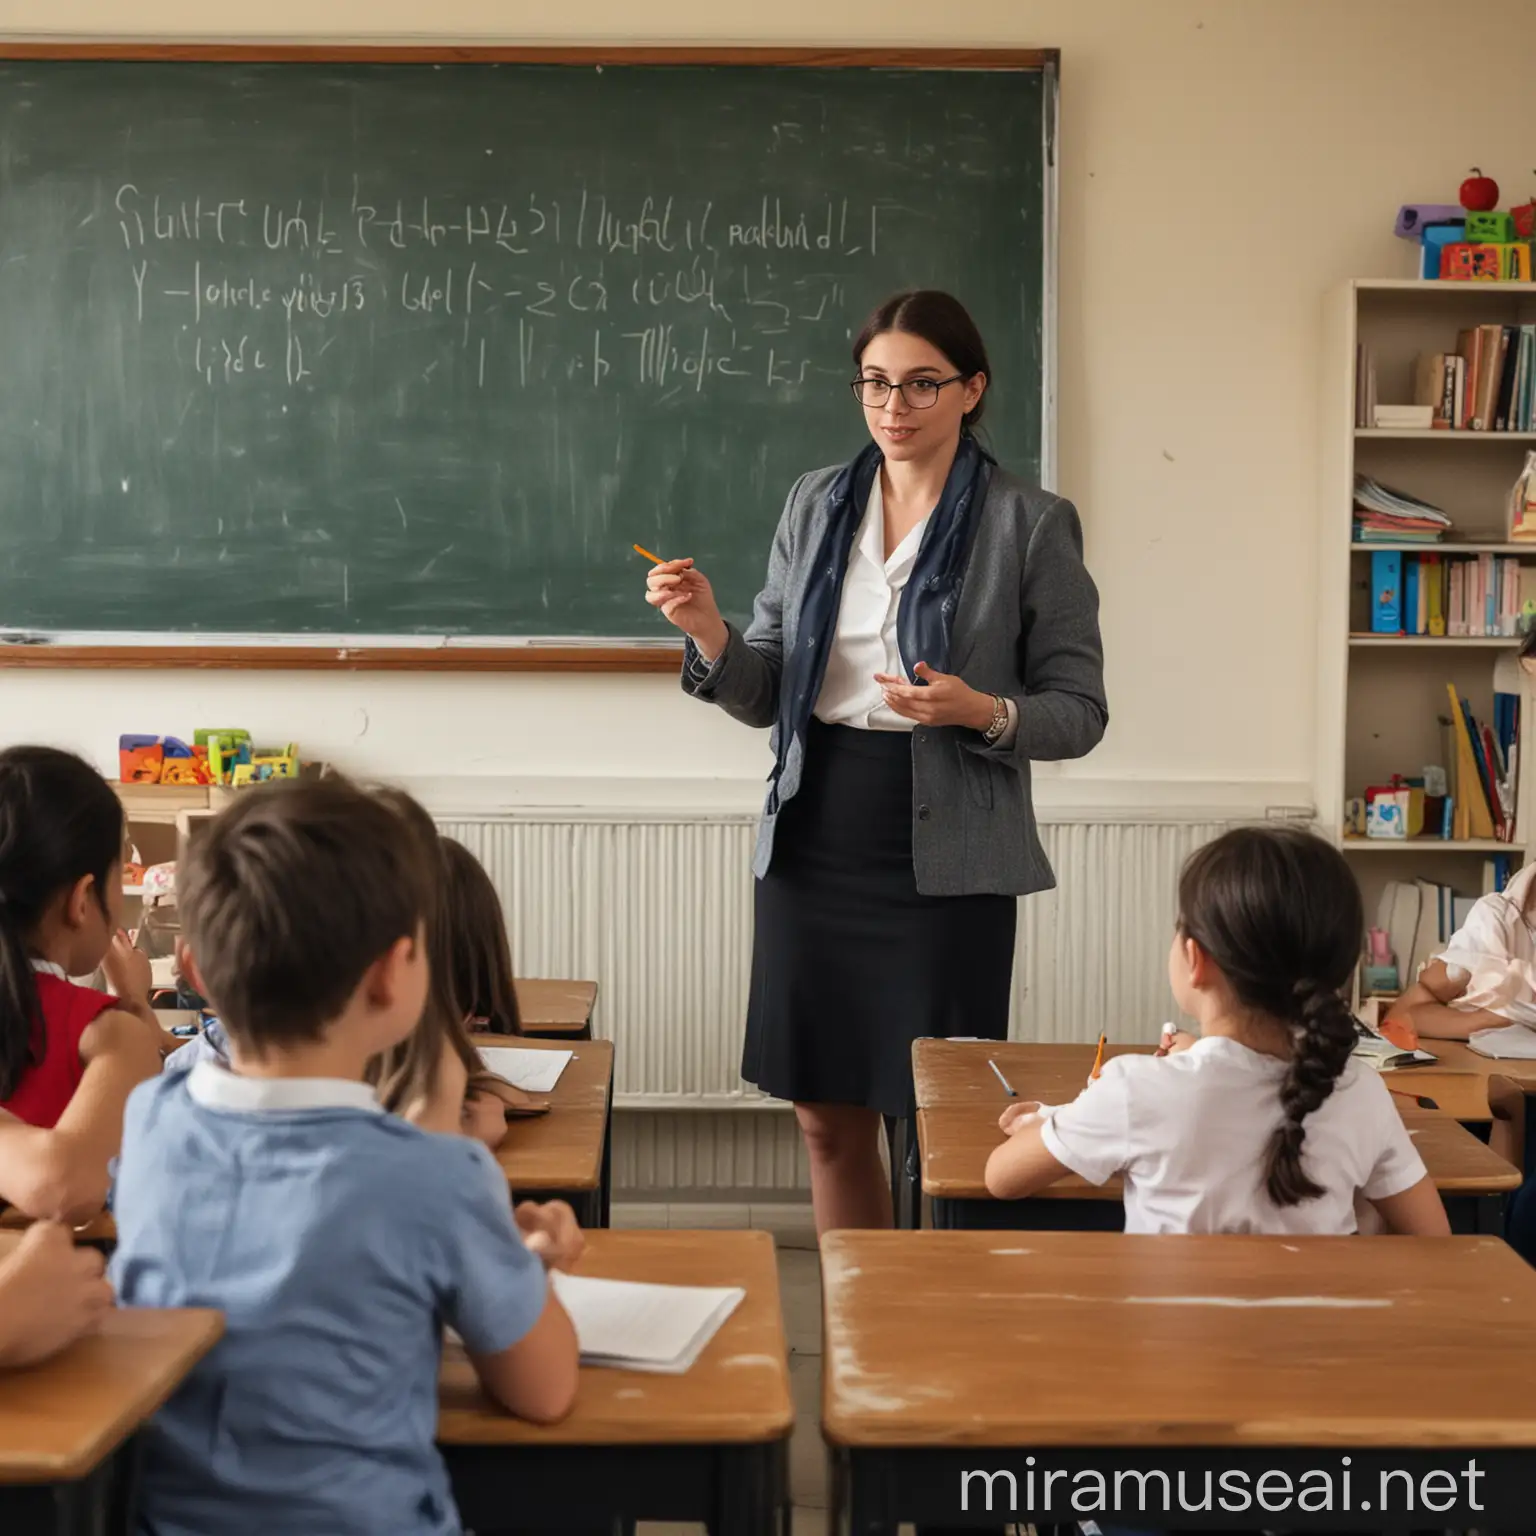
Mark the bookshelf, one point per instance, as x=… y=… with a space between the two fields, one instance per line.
x=1381 y=698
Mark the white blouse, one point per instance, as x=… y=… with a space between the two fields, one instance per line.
x=864 y=641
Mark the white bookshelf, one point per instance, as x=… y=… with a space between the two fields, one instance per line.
x=1380 y=697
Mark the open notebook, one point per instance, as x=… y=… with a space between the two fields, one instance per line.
x=1384 y=1056
x=660 y=1328
x=532 y=1071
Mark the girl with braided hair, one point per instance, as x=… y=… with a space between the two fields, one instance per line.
x=1264 y=1123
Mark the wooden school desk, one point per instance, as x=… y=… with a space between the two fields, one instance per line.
x=951 y=1352
x=67 y=1426
x=954 y=1073
x=955 y=1143
x=709 y=1445
x=556 y=1010
x=566 y=1153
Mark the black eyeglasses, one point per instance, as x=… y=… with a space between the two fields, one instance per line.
x=920 y=394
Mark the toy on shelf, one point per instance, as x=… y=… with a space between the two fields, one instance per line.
x=268 y=763
x=227 y=750
x=160 y=760
x=1473 y=242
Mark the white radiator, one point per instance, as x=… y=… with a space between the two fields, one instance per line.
x=659 y=912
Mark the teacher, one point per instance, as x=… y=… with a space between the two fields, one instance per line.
x=927 y=629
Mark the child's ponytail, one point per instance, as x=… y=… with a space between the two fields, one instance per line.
x=1278 y=910
x=1322 y=1036
x=59 y=822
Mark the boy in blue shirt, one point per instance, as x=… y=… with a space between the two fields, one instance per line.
x=339 y=1241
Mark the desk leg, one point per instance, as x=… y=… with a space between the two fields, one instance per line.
x=605 y=1176
x=867 y=1492
x=1489 y=1221
x=750 y=1490
x=906 y=1187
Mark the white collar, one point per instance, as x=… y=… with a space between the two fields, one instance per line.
x=872 y=539
x=215 y=1087
x=48 y=968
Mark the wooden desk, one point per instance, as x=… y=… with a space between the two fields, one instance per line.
x=946 y=1072
x=708 y=1446
x=955 y=1142
x=1459 y=1081
x=568 y=1151
x=67 y=1426
x=556 y=1009
x=1085 y=1350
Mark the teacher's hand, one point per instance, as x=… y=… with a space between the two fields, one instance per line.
x=945 y=701
x=687 y=601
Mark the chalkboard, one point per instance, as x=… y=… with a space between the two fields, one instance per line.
x=411 y=349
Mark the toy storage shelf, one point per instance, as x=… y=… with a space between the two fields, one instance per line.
x=1381 y=697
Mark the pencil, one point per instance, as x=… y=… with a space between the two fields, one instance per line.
x=654 y=559
x=1098 y=1060
x=1003 y=1080
x=1418 y=1098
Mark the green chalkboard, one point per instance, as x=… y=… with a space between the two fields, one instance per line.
x=405 y=349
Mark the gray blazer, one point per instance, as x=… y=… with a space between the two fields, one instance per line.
x=1027 y=628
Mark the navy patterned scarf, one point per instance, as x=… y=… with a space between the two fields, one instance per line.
x=926 y=615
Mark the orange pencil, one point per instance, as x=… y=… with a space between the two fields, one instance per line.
x=1098 y=1060
x=654 y=559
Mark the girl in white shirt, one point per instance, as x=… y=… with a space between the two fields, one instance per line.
x=1263 y=1124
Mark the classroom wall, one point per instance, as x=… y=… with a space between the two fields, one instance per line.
x=1223 y=163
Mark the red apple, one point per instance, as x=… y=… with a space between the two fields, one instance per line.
x=1479 y=193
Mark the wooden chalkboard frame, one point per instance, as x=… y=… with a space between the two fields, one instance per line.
x=466 y=658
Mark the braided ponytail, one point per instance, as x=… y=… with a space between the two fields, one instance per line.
x=1322 y=1036
x=1278 y=910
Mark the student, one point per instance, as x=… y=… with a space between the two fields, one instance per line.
x=1264 y=1124
x=68 y=1056
x=51 y=1293
x=338 y=1240
x=482 y=960
x=435 y=1077
x=1485 y=978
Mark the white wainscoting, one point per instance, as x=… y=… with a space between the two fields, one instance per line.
x=657 y=909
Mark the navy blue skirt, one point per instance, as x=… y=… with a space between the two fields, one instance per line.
x=850 y=964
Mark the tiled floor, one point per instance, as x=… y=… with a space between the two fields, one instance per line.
x=800 y=1291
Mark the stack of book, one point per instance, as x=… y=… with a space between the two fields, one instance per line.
x=1387 y=516
x=1487 y=385
x=1462 y=596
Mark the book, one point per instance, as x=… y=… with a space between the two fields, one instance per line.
x=532 y=1071
x=638 y=1327
x=1469 y=347
x=1386 y=592
x=1386 y=1057
x=1473 y=818
x=1504 y=401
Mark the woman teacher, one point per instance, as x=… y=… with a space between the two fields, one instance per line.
x=927 y=630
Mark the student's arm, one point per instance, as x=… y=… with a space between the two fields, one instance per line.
x=1425 y=1006
x=1089 y=1137
x=536 y=1377
x=51 y=1293
x=1398 y=1186
x=61 y=1174
x=519 y=1339
x=1022 y=1165
x=1417 y=1212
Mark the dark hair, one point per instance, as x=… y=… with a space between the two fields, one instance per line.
x=482 y=959
x=289 y=896
x=1278 y=910
x=940 y=320
x=59 y=821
